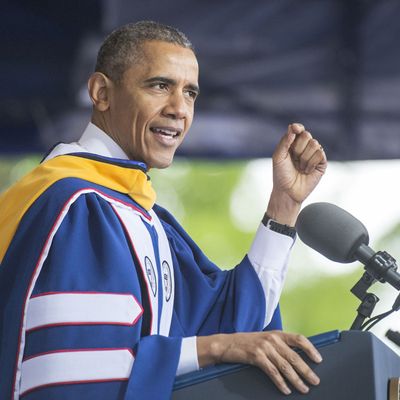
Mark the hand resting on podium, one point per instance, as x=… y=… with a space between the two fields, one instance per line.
x=270 y=351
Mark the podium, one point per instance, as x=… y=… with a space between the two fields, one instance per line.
x=356 y=366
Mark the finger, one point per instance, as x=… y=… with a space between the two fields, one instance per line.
x=289 y=137
x=302 y=343
x=312 y=147
x=287 y=370
x=284 y=145
x=292 y=132
x=301 y=142
x=282 y=149
x=270 y=370
x=298 y=365
x=317 y=161
x=296 y=128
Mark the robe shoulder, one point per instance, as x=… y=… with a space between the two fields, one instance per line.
x=81 y=170
x=70 y=246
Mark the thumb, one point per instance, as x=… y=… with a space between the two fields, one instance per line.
x=282 y=149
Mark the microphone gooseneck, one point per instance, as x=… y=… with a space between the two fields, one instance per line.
x=339 y=236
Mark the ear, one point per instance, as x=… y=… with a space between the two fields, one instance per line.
x=99 y=91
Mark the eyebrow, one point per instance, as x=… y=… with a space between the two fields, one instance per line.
x=170 y=81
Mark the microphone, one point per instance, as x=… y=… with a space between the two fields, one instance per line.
x=341 y=237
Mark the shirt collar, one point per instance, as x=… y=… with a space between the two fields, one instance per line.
x=94 y=140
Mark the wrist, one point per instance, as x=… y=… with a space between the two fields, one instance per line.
x=210 y=349
x=283 y=209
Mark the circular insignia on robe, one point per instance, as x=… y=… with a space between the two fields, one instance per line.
x=151 y=275
x=167 y=280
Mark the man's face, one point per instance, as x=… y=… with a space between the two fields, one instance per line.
x=152 y=109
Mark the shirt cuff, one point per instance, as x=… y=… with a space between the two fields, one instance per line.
x=269 y=256
x=270 y=249
x=188 y=360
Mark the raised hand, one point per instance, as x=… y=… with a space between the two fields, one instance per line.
x=299 y=162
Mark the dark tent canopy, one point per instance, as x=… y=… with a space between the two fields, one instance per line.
x=332 y=64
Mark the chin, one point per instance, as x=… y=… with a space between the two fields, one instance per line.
x=160 y=163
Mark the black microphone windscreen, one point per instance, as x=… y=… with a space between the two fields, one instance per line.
x=331 y=231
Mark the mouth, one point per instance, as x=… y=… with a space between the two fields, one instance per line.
x=167 y=132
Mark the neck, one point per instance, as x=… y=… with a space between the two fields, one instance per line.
x=101 y=121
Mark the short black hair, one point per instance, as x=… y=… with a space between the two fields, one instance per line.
x=123 y=47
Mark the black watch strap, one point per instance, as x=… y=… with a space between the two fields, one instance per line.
x=279 y=228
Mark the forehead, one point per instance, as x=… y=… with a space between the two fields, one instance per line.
x=166 y=59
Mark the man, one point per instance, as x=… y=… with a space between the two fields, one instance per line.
x=103 y=294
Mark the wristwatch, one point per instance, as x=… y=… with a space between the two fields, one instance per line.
x=279 y=228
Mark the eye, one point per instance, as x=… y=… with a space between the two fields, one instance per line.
x=160 y=85
x=191 y=93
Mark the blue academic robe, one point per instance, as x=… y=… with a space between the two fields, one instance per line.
x=62 y=238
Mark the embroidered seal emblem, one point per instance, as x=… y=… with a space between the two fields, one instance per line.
x=167 y=280
x=151 y=275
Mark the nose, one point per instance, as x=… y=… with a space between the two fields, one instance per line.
x=176 y=106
